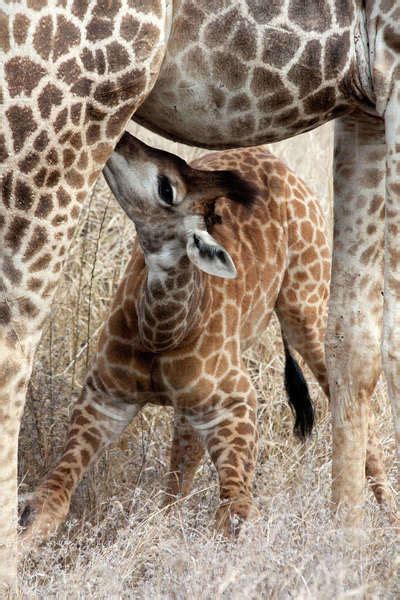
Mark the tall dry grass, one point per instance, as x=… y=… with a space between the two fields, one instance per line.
x=117 y=543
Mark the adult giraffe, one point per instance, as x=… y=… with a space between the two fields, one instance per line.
x=229 y=73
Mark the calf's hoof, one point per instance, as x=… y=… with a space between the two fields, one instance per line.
x=231 y=515
x=38 y=521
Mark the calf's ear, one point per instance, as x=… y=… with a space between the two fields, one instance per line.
x=209 y=256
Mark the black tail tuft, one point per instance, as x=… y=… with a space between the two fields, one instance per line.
x=298 y=396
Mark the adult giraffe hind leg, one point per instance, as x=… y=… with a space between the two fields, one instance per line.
x=391 y=330
x=353 y=335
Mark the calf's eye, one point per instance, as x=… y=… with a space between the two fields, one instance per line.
x=165 y=190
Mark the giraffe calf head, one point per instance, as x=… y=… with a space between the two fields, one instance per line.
x=171 y=203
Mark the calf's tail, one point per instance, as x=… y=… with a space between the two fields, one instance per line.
x=298 y=395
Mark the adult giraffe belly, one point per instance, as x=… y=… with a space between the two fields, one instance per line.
x=247 y=72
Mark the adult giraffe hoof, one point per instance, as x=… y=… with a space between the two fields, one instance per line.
x=231 y=516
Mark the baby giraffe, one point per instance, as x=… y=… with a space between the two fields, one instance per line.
x=220 y=245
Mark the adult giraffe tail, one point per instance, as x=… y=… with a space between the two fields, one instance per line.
x=298 y=395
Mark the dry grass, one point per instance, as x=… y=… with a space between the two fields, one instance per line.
x=117 y=543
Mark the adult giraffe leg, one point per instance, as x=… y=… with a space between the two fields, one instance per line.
x=352 y=342
x=97 y=420
x=187 y=452
x=15 y=369
x=391 y=330
x=65 y=102
x=29 y=270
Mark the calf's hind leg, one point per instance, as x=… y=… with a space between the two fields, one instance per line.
x=187 y=452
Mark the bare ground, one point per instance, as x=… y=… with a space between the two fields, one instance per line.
x=117 y=543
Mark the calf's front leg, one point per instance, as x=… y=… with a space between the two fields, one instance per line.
x=97 y=420
x=229 y=431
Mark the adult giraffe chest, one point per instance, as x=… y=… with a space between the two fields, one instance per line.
x=246 y=72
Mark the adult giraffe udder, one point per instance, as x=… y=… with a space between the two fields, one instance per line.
x=256 y=72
